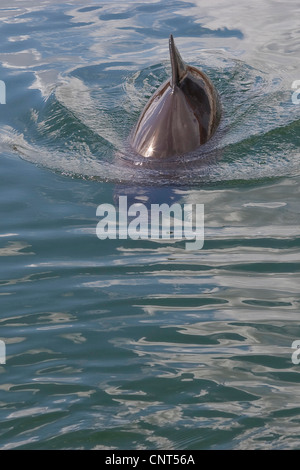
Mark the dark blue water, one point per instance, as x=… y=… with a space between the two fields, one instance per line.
x=141 y=344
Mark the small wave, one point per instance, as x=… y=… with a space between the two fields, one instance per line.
x=82 y=128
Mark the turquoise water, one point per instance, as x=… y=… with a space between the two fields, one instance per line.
x=123 y=344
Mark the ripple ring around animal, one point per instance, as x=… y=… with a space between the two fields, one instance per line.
x=180 y=116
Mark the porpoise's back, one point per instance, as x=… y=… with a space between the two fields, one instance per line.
x=181 y=115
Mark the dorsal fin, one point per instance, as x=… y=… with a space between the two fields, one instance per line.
x=177 y=64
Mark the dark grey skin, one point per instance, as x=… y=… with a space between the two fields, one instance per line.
x=181 y=115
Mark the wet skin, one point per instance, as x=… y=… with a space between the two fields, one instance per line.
x=181 y=115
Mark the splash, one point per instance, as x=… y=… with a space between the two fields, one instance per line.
x=81 y=129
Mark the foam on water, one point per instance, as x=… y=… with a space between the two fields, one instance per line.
x=81 y=128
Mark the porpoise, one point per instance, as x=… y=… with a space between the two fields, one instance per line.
x=181 y=115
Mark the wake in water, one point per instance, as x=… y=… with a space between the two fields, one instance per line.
x=81 y=129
